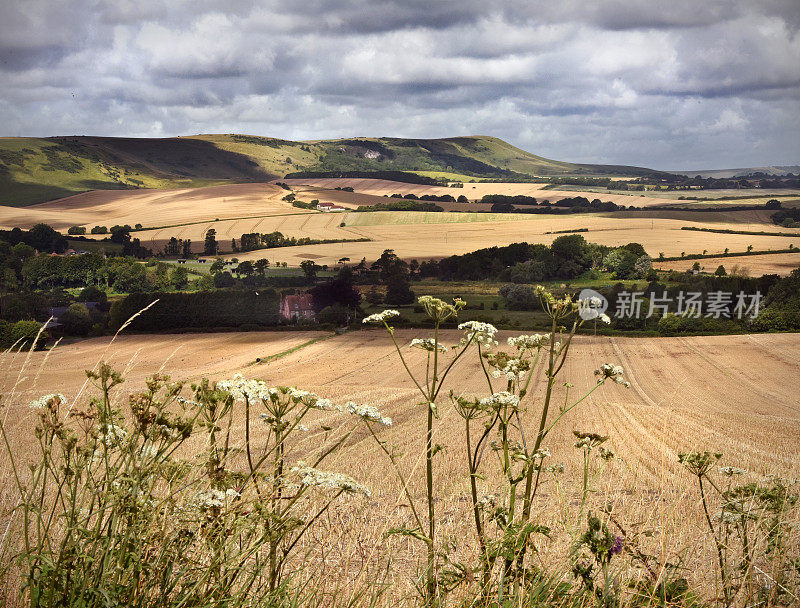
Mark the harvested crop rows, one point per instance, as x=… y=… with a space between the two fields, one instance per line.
x=686 y=394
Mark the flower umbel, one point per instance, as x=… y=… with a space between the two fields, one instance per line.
x=439 y=310
x=368 y=413
x=311 y=477
x=381 y=317
x=45 y=400
x=480 y=332
x=609 y=371
x=427 y=344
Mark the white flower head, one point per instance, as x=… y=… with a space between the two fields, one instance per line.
x=428 y=344
x=483 y=333
x=310 y=399
x=501 y=399
x=528 y=342
x=381 y=317
x=609 y=371
x=111 y=434
x=731 y=471
x=44 y=400
x=311 y=477
x=439 y=310
x=487 y=502
x=541 y=453
x=368 y=413
x=243 y=389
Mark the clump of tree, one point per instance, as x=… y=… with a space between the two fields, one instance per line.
x=402 y=205
x=395 y=275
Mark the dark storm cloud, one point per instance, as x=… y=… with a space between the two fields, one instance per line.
x=668 y=84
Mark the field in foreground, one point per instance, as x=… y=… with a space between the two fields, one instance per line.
x=687 y=394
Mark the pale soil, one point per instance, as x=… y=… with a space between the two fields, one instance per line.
x=246 y=208
x=151 y=207
x=735 y=394
x=751 y=265
x=474 y=191
x=416 y=238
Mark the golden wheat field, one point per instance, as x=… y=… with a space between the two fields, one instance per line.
x=233 y=210
x=151 y=207
x=475 y=191
x=433 y=235
x=751 y=265
x=693 y=393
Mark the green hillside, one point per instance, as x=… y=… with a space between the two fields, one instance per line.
x=34 y=170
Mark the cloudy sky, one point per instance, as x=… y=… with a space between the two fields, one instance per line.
x=675 y=84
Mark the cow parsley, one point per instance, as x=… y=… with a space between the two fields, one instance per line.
x=381 y=317
x=483 y=333
x=45 y=400
x=311 y=477
x=609 y=371
x=427 y=344
x=368 y=413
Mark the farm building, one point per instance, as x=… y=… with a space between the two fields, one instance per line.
x=297 y=306
x=329 y=207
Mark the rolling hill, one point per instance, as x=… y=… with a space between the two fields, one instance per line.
x=776 y=170
x=34 y=170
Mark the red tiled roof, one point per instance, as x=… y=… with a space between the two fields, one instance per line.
x=298 y=303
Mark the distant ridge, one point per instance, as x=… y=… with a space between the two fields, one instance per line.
x=777 y=170
x=34 y=170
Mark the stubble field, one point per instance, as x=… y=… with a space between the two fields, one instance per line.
x=697 y=393
x=233 y=210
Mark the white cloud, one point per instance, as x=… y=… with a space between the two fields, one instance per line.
x=658 y=84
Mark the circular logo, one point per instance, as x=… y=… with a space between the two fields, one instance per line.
x=591 y=304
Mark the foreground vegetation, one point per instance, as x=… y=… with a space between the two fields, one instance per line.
x=167 y=500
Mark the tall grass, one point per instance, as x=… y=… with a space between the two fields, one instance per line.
x=217 y=494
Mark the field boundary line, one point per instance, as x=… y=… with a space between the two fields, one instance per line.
x=293 y=349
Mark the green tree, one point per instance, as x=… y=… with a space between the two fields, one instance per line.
x=720 y=271
x=224 y=279
x=23 y=333
x=92 y=294
x=76 y=320
x=261 y=266
x=76 y=230
x=210 y=246
x=310 y=269
x=217 y=266
x=179 y=278
x=204 y=283
x=245 y=268
x=642 y=267
x=333 y=315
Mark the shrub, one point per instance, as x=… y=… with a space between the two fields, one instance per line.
x=333 y=315
x=76 y=230
x=25 y=332
x=5 y=333
x=76 y=320
x=205 y=309
x=92 y=294
x=519 y=297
